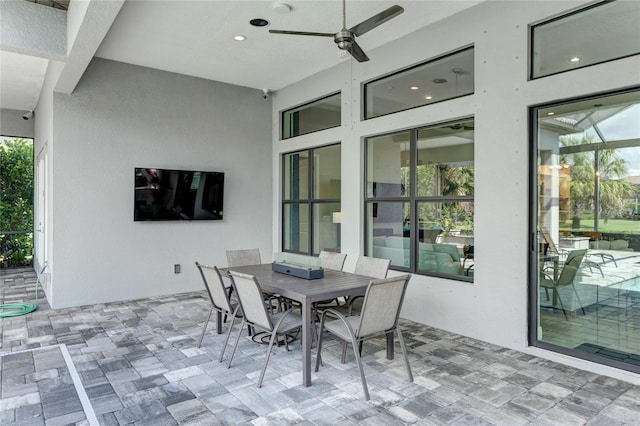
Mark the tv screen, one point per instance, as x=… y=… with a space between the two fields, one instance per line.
x=162 y=194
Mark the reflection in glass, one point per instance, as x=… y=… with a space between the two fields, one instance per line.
x=326 y=170
x=326 y=227
x=607 y=31
x=318 y=115
x=445 y=241
x=296 y=228
x=388 y=233
x=388 y=166
x=439 y=79
x=588 y=192
x=296 y=176
x=445 y=160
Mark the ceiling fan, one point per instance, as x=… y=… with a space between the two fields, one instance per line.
x=346 y=38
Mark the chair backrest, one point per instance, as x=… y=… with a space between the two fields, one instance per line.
x=382 y=304
x=243 y=257
x=372 y=267
x=332 y=260
x=251 y=299
x=215 y=287
x=570 y=268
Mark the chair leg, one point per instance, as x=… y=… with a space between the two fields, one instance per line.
x=233 y=352
x=205 y=327
x=404 y=353
x=557 y=293
x=344 y=352
x=354 y=343
x=318 y=356
x=274 y=335
x=226 y=339
x=578 y=296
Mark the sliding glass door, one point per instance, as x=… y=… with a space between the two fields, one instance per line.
x=585 y=291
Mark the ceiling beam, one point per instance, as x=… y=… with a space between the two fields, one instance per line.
x=88 y=24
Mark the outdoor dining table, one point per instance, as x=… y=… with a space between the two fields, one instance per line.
x=332 y=285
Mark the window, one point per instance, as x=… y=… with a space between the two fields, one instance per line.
x=317 y=115
x=419 y=199
x=586 y=198
x=434 y=81
x=603 y=32
x=311 y=200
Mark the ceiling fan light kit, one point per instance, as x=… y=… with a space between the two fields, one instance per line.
x=345 y=39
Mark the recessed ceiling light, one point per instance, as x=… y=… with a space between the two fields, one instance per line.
x=259 y=22
x=240 y=37
x=439 y=80
x=574 y=59
x=428 y=97
x=551 y=113
x=414 y=87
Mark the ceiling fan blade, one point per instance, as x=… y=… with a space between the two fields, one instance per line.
x=305 y=33
x=374 y=21
x=357 y=52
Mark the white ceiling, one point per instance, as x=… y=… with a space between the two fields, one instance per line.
x=196 y=38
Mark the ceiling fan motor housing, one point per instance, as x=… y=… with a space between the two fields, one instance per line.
x=344 y=39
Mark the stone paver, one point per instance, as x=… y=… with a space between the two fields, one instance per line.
x=139 y=364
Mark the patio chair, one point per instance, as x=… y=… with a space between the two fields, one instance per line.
x=372 y=267
x=332 y=260
x=243 y=257
x=219 y=301
x=566 y=278
x=256 y=314
x=379 y=315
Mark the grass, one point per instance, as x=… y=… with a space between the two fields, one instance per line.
x=613 y=226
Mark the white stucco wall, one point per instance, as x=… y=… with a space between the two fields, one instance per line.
x=12 y=124
x=493 y=308
x=120 y=117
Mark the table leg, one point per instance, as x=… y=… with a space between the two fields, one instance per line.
x=306 y=343
x=219 y=322
x=390 y=345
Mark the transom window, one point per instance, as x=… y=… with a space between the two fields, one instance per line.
x=439 y=79
x=318 y=115
x=602 y=32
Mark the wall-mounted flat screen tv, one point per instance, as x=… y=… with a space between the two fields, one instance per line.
x=166 y=195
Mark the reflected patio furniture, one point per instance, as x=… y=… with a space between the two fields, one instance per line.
x=595 y=242
x=566 y=278
x=219 y=302
x=379 y=315
x=256 y=314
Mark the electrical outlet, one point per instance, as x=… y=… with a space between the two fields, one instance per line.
x=176 y=268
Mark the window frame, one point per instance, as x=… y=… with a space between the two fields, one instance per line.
x=310 y=201
x=412 y=199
